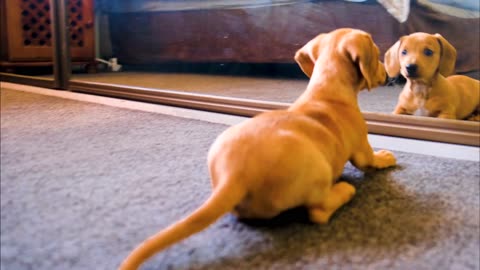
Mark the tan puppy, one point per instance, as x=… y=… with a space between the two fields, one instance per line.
x=283 y=159
x=427 y=61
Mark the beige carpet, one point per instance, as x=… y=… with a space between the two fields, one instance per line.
x=82 y=184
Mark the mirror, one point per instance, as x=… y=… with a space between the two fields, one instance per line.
x=245 y=49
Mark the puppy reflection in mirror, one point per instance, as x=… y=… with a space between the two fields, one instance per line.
x=428 y=62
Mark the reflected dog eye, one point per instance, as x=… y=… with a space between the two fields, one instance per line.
x=428 y=52
x=404 y=52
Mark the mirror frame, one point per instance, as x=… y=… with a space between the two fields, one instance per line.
x=27 y=80
x=414 y=127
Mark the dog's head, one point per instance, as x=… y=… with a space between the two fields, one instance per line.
x=340 y=49
x=420 y=56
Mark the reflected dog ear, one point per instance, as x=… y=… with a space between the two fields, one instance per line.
x=361 y=50
x=448 y=57
x=391 y=61
x=308 y=54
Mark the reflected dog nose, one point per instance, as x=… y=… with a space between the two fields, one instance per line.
x=411 y=70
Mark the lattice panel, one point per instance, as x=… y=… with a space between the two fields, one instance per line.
x=36 y=23
x=77 y=23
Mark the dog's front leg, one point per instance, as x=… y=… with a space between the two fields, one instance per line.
x=401 y=110
x=367 y=158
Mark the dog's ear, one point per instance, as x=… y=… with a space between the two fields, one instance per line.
x=308 y=54
x=361 y=50
x=448 y=57
x=391 y=61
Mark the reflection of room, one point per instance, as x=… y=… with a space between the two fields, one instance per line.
x=247 y=38
x=197 y=46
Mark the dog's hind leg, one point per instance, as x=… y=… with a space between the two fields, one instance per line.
x=475 y=116
x=340 y=194
x=447 y=115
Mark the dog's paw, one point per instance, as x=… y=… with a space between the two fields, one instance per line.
x=384 y=159
x=319 y=216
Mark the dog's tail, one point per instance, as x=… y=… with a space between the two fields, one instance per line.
x=223 y=199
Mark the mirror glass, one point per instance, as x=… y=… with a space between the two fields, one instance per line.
x=26 y=38
x=245 y=49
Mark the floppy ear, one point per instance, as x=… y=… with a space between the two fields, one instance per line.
x=448 y=57
x=361 y=50
x=307 y=55
x=392 y=64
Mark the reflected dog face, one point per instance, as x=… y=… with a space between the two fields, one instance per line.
x=420 y=56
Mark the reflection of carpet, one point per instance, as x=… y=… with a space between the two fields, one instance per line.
x=382 y=99
x=82 y=184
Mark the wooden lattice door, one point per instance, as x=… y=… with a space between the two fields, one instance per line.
x=27 y=31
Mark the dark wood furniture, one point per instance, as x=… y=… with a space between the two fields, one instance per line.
x=26 y=33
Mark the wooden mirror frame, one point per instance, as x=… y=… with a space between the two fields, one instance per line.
x=423 y=128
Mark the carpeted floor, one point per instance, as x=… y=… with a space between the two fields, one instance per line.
x=82 y=184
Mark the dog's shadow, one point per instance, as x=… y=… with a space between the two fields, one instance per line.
x=383 y=218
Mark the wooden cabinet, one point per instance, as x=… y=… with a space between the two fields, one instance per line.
x=26 y=32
